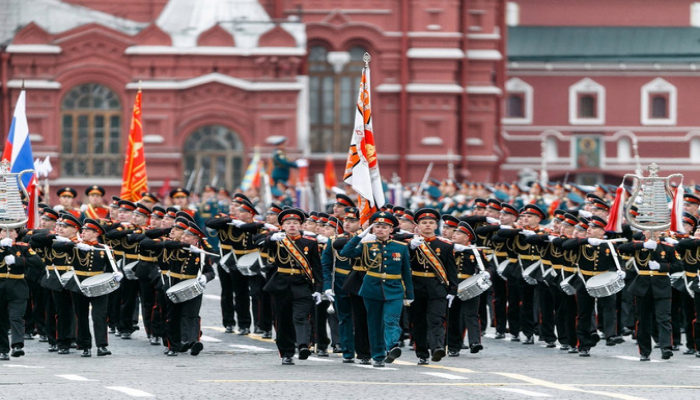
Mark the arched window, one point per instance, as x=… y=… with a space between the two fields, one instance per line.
x=659 y=107
x=514 y=107
x=624 y=150
x=91 y=132
x=334 y=80
x=587 y=107
x=213 y=155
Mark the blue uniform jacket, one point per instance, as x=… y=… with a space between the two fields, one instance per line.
x=390 y=258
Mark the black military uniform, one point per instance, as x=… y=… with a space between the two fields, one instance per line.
x=689 y=250
x=15 y=260
x=298 y=277
x=88 y=263
x=434 y=278
x=652 y=291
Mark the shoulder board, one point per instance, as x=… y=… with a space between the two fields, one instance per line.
x=310 y=238
x=442 y=239
x=30 y=233
x=21 y=244
x=120 y=229
x=399 y=242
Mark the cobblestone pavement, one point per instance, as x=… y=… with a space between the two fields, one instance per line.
x=247 y=367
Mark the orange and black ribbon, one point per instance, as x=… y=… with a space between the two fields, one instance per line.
x=292 y=249
x=434 y=263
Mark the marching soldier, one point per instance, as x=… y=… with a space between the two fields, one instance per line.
x=652 y=291
x=387 y=285
x=89 y=259
x=564 y=266
x=295 y=285
x=95 y=208
x=464 y=314
x=435 y=286
x=690 y=256
x=16 y=259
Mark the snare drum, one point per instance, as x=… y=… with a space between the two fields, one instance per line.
x=185 y=290
x=129 y=272
x=501 y=267
x=249 y=264
x=473 y=286
x=677 y=281
x=66 y=277
x=533 y=273
x=571 y=284
x=605 y=284
x=99 y=285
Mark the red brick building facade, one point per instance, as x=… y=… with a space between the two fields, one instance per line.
x=218 y=81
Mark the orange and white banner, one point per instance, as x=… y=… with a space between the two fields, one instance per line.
x=362 y=167
x=134 y=180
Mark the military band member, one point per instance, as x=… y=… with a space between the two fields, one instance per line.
x=464 y=314
x=689 y=251
x=652 y=290
x=594 y=257
x=89 y=259
x=16 y=259
x=295 y=285
x=95 y=207
x=435 y=286
x=565 y=266
x=387 y=285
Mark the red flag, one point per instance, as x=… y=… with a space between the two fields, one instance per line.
x=134 y=181
x=165 y=189
x=615 y=219
x=362 y=166
x=329 y=173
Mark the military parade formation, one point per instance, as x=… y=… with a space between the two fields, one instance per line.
x=545 y=262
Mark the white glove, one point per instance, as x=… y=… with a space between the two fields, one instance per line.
x=236 y=222
x=416 y=241
x=202 y=280
x=594 y=241
x=317 y=297
x=526 y=232
x=83 y=247
x=271 y=227
x=506 y=227
x=407 y=302
x=9 y=260
x=118 y=276
x=308 y=233
x=654 y=265
x=83 y=207
x=585 y=214
x=668 y=240
x=62 y=239
x=302 y=162
x=366 y=231
x=493 y=220
x=329 y=294
x=195 y=249
x=7 y=242
x=459 y=247
x=552 y=237
x=277 y=236
x=650 y=244
x=321 y=239
x=621 y=274
x=449 y=298
x=371 y=237
x=58 y=208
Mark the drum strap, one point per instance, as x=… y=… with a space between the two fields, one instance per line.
x=294 y=251
x=434 y=262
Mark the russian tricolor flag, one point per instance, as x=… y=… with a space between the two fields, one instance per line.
x=18 y=151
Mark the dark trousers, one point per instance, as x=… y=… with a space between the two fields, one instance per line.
x=183 y=324
x=428 y=319
x=34 y=318
x=484 y=310
x=228 y=315
x=321 y=338
x=628 y=317
x=676 y=315
x=500 y=302
x=527 y=307
x=567 y=310
x=11 y=318
x=65 y=318
x=696 y=321
x=383 y=323
x=241 y=302
x=50 y=316
x=586 y=307
x=148 y=304
x=266 y=316
x=359 y=319
x=463 y=315
x=513 y=310
x=292 y=322
x=129 y=295
x=651 y=309
x=160 y=316
x=82 y=305
x=343 y=312
x=689 y=312
x=114 y=302
x=547 y=316
x=262 y=309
